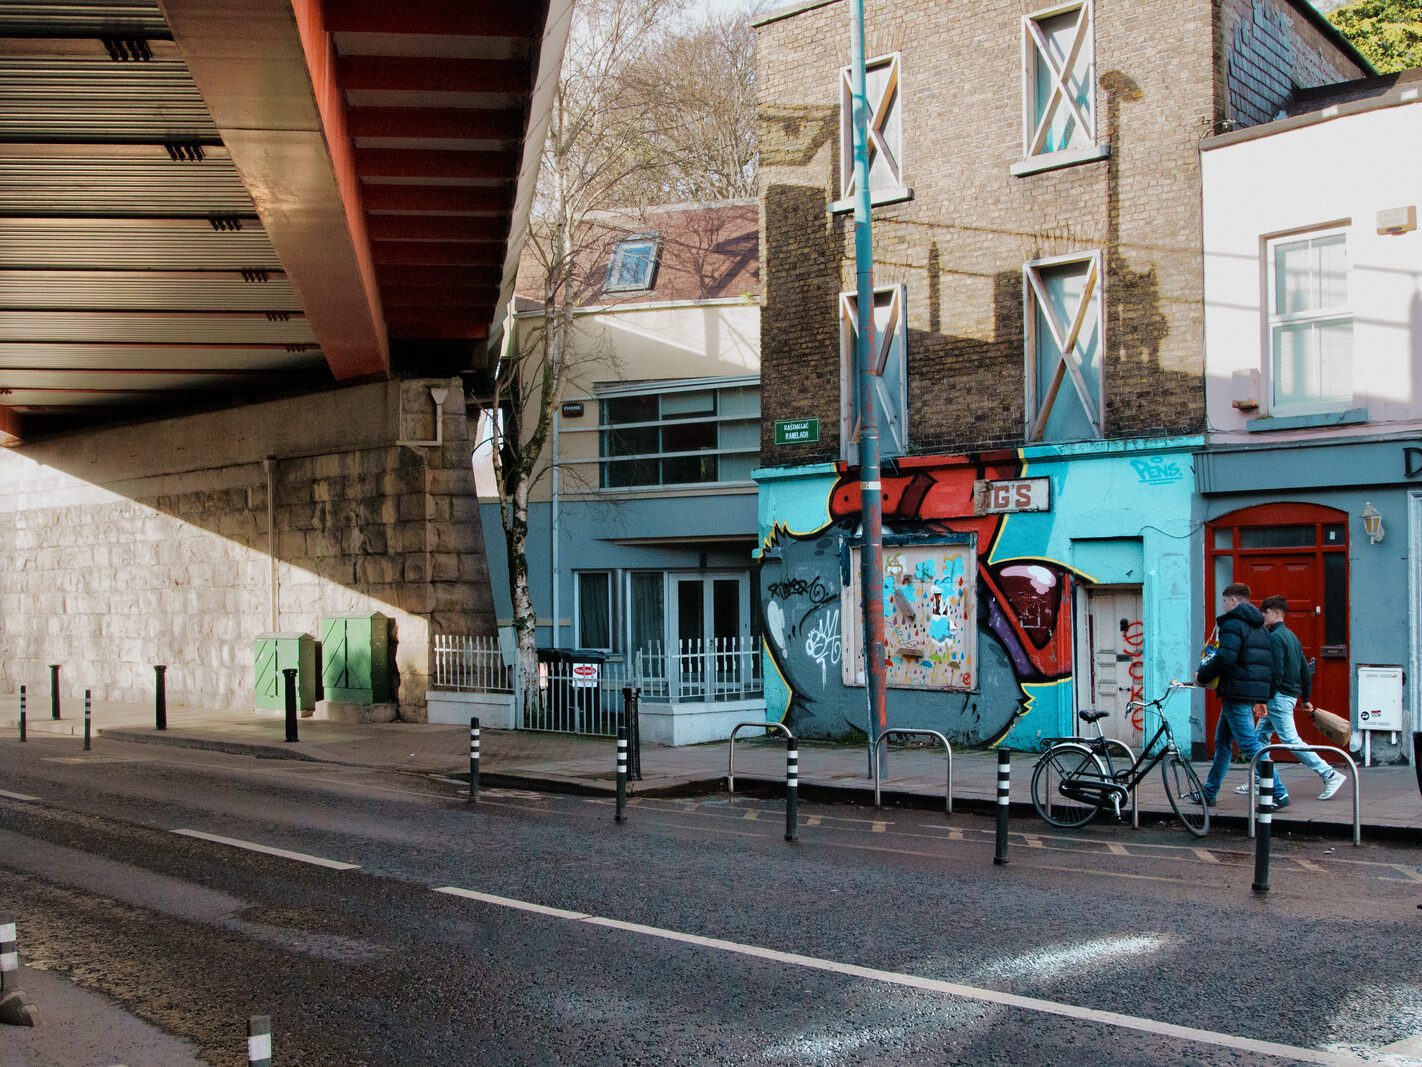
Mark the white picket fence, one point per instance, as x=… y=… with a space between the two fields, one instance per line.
x=471 y=665
x=701 y=672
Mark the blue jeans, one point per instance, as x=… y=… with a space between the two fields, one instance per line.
x=1236 y=725
x=1280 y=720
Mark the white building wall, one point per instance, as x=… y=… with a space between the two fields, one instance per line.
x=1340 y=172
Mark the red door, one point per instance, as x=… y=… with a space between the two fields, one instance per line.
x=1299 y=552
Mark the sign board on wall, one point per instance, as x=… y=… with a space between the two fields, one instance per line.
x=797 y=431
x=1004 y=498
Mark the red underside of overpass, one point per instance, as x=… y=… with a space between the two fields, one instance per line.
x=212 y=201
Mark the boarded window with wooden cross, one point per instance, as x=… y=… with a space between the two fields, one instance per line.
x=884 y=124
x=1064 y=348
x=1059 y=75
x=890 y=357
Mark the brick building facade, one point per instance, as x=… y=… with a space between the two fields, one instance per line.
x=1038 y=209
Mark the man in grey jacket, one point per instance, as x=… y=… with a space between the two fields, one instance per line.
x=1293 y=684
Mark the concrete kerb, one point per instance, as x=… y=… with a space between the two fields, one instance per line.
x=233 y=748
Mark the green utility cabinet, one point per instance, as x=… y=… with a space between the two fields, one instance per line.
x=276 y=652
x=355 y=658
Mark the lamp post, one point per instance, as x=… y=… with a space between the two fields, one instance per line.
x=866 y=403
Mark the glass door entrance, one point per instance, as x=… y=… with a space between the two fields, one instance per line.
x=710 y=633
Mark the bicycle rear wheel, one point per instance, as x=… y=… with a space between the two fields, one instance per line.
x=1058 y=764
x=1186 y=794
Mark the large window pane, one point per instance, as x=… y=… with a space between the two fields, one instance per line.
x=594 y=609
x=1060 y=117
x=648 y=623
x=1071 y=416
x=1335 y=598
x=1277 y=536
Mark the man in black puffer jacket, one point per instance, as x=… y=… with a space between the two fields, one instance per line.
x=1244 y=665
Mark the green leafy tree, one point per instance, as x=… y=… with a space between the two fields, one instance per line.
x=1387 y=32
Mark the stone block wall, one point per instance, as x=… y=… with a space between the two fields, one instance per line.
x=131 y=546
x=961 y=243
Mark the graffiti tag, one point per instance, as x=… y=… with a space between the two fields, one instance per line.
x=822 y=644
x=1155 y=471
x=814 y=588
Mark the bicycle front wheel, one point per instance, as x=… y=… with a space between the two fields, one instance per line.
x=1186 y=795
x=1059 y=764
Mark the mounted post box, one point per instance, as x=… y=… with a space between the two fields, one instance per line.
x=274 y=653
x=355 y=658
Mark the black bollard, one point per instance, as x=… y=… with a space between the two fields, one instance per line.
x=631 y=698
x=792 y=788
x=259 y=1041
x=88 y=718
x=473 y=760
x=1004 y=798
x=160 y=697
x=621 y=774
x=1265 y=828
x=22 y=713
x=289 y=673
x=54 y=690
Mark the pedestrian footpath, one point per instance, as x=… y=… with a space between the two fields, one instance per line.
x=1390 y=804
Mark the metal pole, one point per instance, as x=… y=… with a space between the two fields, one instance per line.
x=1004 y=798
x=88 y=719
x=621 y=774
x=259 y=1041
x=289 y=674
x=553 y=518
x=473 y=760
x=160 y=697
x=54 y=690
x=866 y=402
x=792 y=788
x=631 y=703
x=22 y=714
x=1266 y=819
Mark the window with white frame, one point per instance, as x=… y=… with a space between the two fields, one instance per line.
x=1059 y=75
x=884 y=126
x=1065 y=399
x=594 y=593
x=930 y=617
x=1310 y=323
x=633 y=266
x=890 y=358
x=679 y=436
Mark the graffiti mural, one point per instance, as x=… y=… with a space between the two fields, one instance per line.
x=970 y=643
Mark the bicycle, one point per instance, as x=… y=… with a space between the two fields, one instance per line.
x=1074 y=779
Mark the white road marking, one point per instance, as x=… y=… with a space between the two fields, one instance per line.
x=1116 y=849
x=252 y=846
x=932 y=985
x=510 y=902
x=1308 y=865
x=16 y=796
x=1206 y=855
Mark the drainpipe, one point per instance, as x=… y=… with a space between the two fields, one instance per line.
x=553 y=533
x=269 y=465
x=870 y=492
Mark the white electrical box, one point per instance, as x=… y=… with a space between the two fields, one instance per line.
x=1380 y=698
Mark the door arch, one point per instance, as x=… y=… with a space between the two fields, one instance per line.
x=1298 y=551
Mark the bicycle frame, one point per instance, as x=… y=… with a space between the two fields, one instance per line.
x=1128 y=778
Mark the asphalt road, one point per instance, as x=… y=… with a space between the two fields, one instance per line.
x=694 y=933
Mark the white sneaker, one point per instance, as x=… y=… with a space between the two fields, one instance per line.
x=1242 y=790
x=1332 y=784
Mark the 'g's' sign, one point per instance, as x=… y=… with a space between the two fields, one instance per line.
x=1023 y=494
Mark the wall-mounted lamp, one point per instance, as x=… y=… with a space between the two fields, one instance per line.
x=1372 y=523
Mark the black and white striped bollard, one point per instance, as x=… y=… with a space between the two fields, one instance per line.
x=1004 y=798
x=473 y=760
x=792 y=788
x=259 y=1041
x=22 y=714
x=1265 y=830
x=288 y=675
x=88 y=719
x=9 y=955
x=621 y=774
x=16 y=1009
x=54 y=691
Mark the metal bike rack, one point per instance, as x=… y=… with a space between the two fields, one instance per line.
x=878 y=748
x=731 y=751
x=1254 y=781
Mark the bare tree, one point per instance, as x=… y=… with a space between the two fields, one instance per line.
x=587 y=165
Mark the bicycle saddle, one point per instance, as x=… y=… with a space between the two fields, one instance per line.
x=1092 y=716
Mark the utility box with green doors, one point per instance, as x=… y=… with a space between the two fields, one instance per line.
x=276 y=652
x=355 y=658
